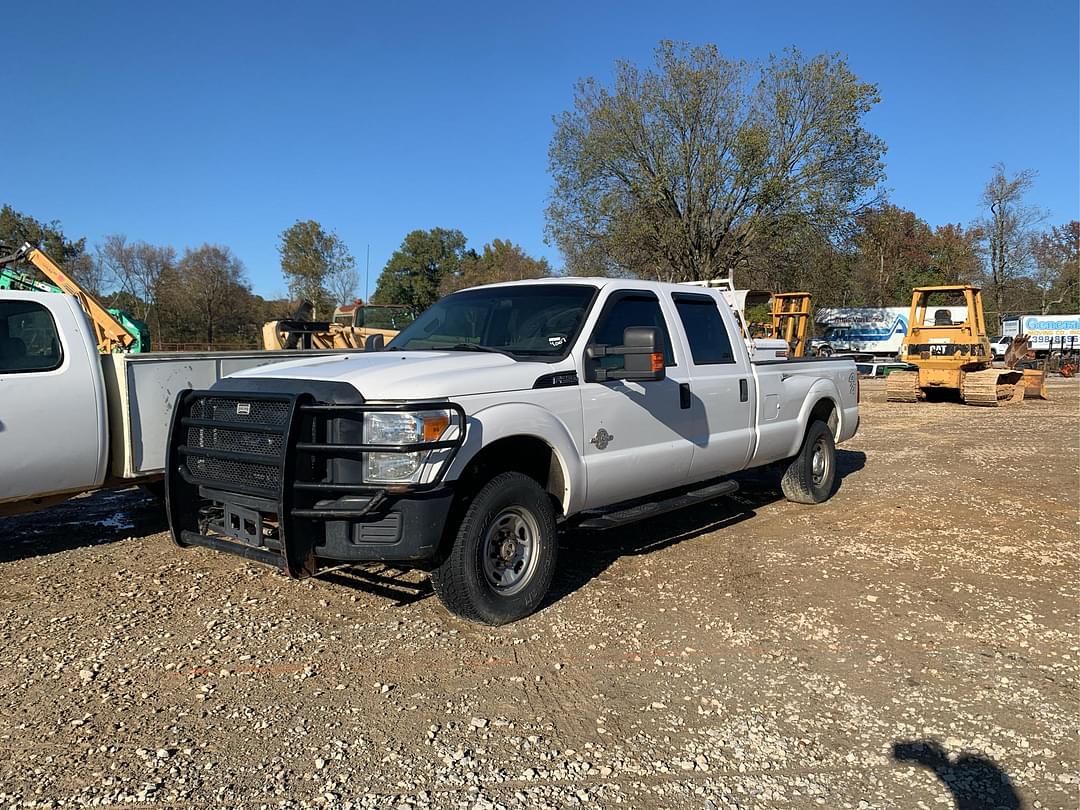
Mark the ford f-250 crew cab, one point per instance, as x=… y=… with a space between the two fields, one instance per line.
x=499 y=413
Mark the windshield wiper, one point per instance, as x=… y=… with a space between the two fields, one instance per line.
x=472 y=347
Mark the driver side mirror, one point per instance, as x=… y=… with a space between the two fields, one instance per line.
x=642 y=353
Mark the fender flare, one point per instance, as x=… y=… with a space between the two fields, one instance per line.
x=506 y=420
x=822 y=389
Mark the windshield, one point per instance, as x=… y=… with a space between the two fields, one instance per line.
x=530 y=321
x=377 y=317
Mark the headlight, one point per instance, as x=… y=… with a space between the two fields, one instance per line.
x=400 y=428
x=405 y=427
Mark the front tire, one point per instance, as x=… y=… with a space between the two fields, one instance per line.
x=824 y=351
x=810 y=476
x=502 y=560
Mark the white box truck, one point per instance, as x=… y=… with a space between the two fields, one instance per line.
x=1047 y=333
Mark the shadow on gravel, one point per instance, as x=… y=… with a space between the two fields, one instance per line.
x=387 y=582
x=976 y=782
x=585 y=554
x=90 y=520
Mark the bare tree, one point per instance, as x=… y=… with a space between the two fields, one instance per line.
x=87 y=273
x=133 y=268
x=1007 y=232
x=342 y=279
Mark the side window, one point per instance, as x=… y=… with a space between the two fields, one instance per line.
x=28 y=338
x=631 y=310
x=705 y=330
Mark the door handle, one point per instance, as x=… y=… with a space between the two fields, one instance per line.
x=684 y=395
x=744 y=391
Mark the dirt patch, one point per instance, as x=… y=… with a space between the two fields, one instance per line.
x=911 y=643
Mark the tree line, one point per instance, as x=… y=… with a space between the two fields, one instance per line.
x=696 y=167
x=200 y=296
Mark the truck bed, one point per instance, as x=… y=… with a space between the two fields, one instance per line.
x=141 y=391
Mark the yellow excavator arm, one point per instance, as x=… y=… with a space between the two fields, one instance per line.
x=109 y=335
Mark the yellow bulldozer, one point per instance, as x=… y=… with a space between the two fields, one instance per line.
x=951 y=357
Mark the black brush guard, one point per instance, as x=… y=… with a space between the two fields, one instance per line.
x=259 y=475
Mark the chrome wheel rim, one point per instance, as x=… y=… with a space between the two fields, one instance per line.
x=819 y=462
x=510 y=550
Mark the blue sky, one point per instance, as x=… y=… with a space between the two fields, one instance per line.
x=225 y=122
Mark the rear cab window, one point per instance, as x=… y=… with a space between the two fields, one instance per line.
x=29 y=340
x=710 y=342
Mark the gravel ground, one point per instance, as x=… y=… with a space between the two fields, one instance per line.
x=911 y=643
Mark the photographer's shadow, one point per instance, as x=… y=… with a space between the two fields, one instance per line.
x=976 y=782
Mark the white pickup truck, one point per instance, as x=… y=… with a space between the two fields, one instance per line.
x=498 y=414
x=72 y=419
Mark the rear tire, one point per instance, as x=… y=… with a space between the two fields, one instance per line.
x=502 y=560
x=810 y=475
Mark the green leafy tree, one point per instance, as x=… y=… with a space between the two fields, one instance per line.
x=682 y=171
x=17 y=228
x=1056 y=255
x=892 y=255
x=311 y=257
x=501 y=260
x=954 y=254
x=415 y=272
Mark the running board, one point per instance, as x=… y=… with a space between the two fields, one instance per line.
x=631 y=514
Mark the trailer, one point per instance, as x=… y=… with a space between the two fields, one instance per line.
x=869 y=330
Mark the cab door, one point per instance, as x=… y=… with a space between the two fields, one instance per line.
x=637 y=435
x=52 y=419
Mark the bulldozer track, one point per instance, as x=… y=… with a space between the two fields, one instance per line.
x=902 y=386
x=992 y=387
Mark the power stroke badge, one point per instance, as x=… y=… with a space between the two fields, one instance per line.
x=602 y=439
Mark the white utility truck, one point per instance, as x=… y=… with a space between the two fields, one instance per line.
x=499 y=413
x=73 y=419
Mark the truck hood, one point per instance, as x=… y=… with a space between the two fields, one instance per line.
x=410 y=375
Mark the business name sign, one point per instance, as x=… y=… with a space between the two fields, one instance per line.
x=1061 y=329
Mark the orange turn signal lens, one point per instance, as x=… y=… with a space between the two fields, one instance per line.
x=435 y=426
x=657 y=361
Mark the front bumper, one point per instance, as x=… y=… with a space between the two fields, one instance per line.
x=277 y=477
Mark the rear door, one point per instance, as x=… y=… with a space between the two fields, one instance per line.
x=638 y=435
x=721 y=394
x=52 y=420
